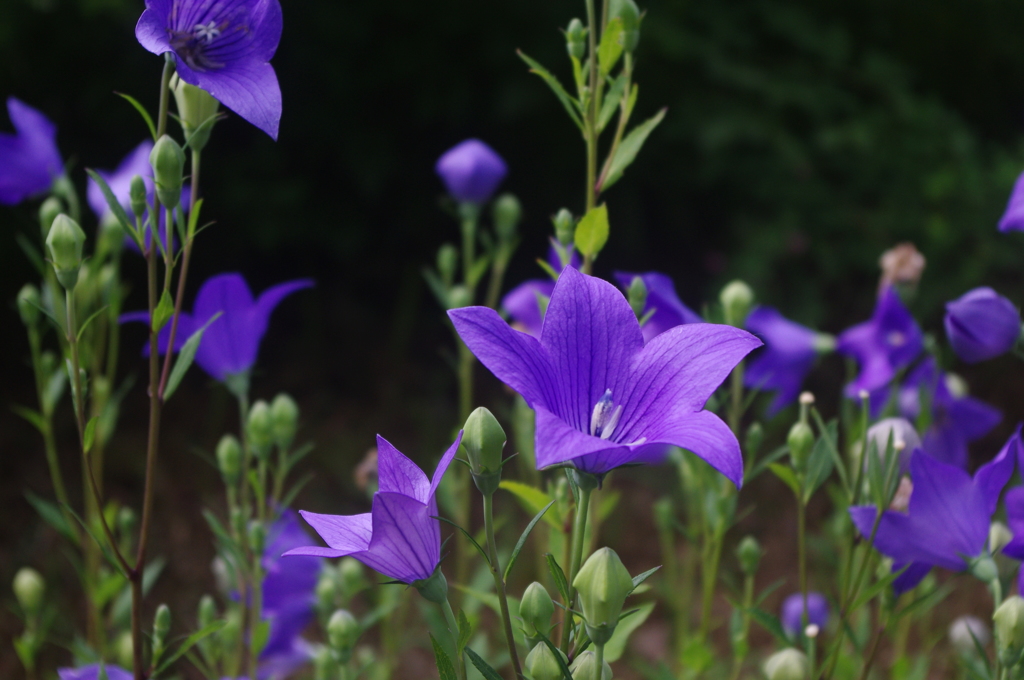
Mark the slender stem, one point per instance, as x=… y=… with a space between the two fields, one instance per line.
x=748 y=604
x=499 y=583
x=578 y=530
x=709 y=578
x=453 y=629
x=590 y=122
x=801 y=542
x=736 y=399
x=599 y=659
x=255 y=613
x=873 y=651
x=620 y=129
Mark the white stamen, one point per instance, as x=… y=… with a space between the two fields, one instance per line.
x=605 y=416
x=206 y=32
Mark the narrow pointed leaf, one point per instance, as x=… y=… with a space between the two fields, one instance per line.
x=482 y=666
x=90 y=434
x=445 y=669
x=483 y=553
x=522 y=539
x=770 y=623
x=32 y=416
x=616 y=647
x=52 y=515
x=640 y=578
x=162 y=313
x=185 y=358
x=786 y=474
x=116 y=208
x=592 y=231
x=465 y=631
x=612 y=99
x=610 y=49
x=533 y=499
x=570 y=104
x=188 y=644
x=559 y=576
x=629 y=148
x=142 y=112
x=32 y=253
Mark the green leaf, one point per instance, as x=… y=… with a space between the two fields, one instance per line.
x=260 y=636
x=445 y=669
x=615 y=647
x=90 y=434
x=786 y=474
x=163 y=312
x=122 y=608
x=571 y=105
x=188 y=644
x=763 y=464
x=876 y=588
x=465 y=631
x=533 y=499
x=629 y=148
x=117 y=209
x=592 y=231
x=611 y=101
x=831 y=434
x=142 y=112
x=559 y=576
x=32 y=253
x=52 y=515
x=610 y=49
x=88 y=321
x=769 y=623
x=640 y=578
x=185 y=358
x=482 y=666
x=202 y=128
x=522 y=539
x=32 y=416
x=820 y=463
x=477 y=271
x=483 y=553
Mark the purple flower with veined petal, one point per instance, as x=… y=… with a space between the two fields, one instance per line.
x=793 y=608
x=669 y=310
x=92 y=672
x=981 y=324
x=788 y=355
x=223 y=47
x=603 y=398
x=29 y=160
x=887 y=342
x=948 y=519
x=471 y=171
x=231 y=343
x=1013 y=217
x=399 y=537
x=525 y=302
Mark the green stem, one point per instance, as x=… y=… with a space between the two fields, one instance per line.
x=873 y=651
x=736 y=399
x=801 y=538
x=748 y=604
x=709 y=578
x=499 y=583
x=255 y=612
x=590 y=120
x=578 y=530
x=453 y=630
x=599 y=659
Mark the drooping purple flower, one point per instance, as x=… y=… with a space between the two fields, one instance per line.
x=788 y=355
x=526 y=302
x=603 y=398
x=223 y=47
x=981 y=324
x=231 y=343
x=29 y=159
x=948 y=520
x=1013 y=216
x=669 y=310
x=471 y=171
x=887 y=342
x=399 y=537
x=793 y=607
x=92 y=672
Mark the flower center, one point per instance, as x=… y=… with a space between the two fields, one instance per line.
x=191 y=45
x=896 y=339
x=605 y=416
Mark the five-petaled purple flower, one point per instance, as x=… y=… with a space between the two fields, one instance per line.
x=29 y=160
x=92 y=672
x=788 y=355
x=399 y=537
x=1013 y=216
x=231 y=343
x=526 y=302
x=793 y=607
x=948 y=520
x=603 y=398
x=471 y=171
x=223 y=47
x=669 y=310
x=981 y=324
x=887 y=342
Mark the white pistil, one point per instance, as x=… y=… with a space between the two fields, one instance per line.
x=605 y=416
x=206 y=32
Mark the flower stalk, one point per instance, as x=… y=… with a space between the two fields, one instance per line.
x=499 y=584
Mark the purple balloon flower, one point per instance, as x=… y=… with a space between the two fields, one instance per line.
x=525 y=302
x=223 y=47
x=603 y=398
x=981 y=324
x=793 y=607
x=887 y=342
x=948 y=519
x=231 y=343
x=1013 y=217
x=471 y=171
x=92 y=672
x=29 y=160
x=1015 y=522
x=669 y=310
x=399 y=537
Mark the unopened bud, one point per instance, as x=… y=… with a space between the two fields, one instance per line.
x=257 y=537
x=447 y=262
x=736 y=299
x=459 y=296
x=342 y=632
x=195 y=107
x=351 y=572
x=584 y=667
x=123 y=649
x=484 y=440
x=965 y=630
x=603 y=584
x=207 y=611
x=575 y=45
x=259 y=428
x=998 y=536
x=542 y=664
x=326 y=592
x=629 y=13
x=168 y=162
x=1008 y=622
x=637 y=296
x=284 y=413
x=29 y=587
x=789 y=664
x=984 y=569
x=161 y=624
x=64 y=243
x=754 y=438
x=29 y=304
x=48 y=212
x=565 y=225
x=506 y=215
x=536 y=608
x=229 y=459
x=749 y=553
x=137 y=194
x=800 y=442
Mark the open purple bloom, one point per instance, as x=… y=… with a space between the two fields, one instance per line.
x=471 y=171
x=92 y=672
x=981 y=324
x=793 y=607
x=399 y=537
x=29 y=160
x=231 y=343
x=887 y=342
x=603 y=398
x=1013 y=217
x=669 y=310
x=223 y=47
x=526 y=302
x=948 y=519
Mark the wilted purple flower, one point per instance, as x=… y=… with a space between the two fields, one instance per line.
x=1013 y=217
x=887 y=342
x=471 y=171
x=788 y=355
x=604 y=399
x=525 y=302
x=92 y=672
x=29 y=160
x=231 y=343
x=399 y=537
x=793 y=607
x=948 y=520
x=223 y=47
x=661 y=297
x=981 y=324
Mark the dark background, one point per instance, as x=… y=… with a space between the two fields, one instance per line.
x=802 y=139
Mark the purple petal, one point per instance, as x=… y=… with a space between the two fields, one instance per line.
x=249 y=88
x=120 y=181
x=93 y=673
x=793 y=610
x=272 y=297
x=707 y=436
x=1015 y=514
x=471 y=171
x=909 y=579
x=288 y=584
x=788 y=356
x=442 y=466
x=1013 y=217
x=406 y=543
x=898 y=537
x=346 y=534
x=523 y=304
x=29 y=160
x=981 y=325
x=558 y=442
x=397 y=474
x=992 y=477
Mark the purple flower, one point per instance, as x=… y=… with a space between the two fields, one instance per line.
x=231 y=343
x=788 y=356
x=669 y=310
x=93 y=673
x=1015 y=522
x=793 y=607
x=526 y=302
x=471 y=171
x=882 y=345
x=1013 y=217
x=948 y=519
x=981 y=324
x=603 y=398
x=399 y=537
x=223 y=47
x=29 y=160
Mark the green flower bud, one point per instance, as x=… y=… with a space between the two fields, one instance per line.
x=29 y=303
x=447 y=263
x=259 y=428
x=736 y=299
x=984 y=569
x=459 y=296
x=229 y=459
x=749 y=553
x=29 y=587
x=542 y=664
x=800 y=442
x=326 y=592
x=123 y=649
x=506 y=215
x=998 y=536
x=207 y=611
x=629 y=13
x=126 y=521
x=351 y=572
x=484 y=440
x=575 y=42
x=584 y=667
x=195 y=107
x=536 y=608
x=168 y=161
x=754 y=439
x=565 y=225
x=161 y=625
x=284 y=413
x=342 y=632
x=1008 y=622
x=64 y=244
x=48 y=212
x=257 y=537
x=637 y=296
x=789 y=664
x=603 y=584
x=137 y=196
